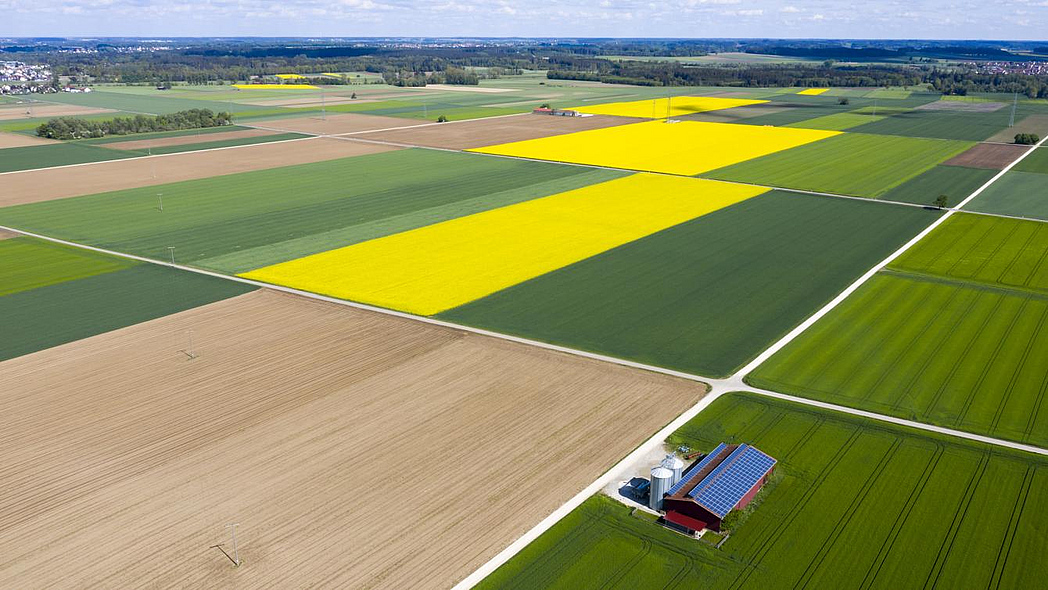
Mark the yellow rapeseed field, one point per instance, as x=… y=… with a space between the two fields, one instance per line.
x=276 y=86
x=813 y=91
x=660 y=108
x=290 y=76
x=437 y=267
x=685 y=147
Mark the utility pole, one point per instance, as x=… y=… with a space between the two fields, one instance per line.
x=160 y=202
x=171 y=249
x=236 y=554
x=323 y=106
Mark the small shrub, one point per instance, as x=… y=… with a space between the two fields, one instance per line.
x=1026 y=138
x=442 y=119
x=843 y=100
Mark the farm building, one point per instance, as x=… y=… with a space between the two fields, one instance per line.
x=724 y=480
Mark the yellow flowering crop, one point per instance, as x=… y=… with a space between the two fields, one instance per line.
x=290 y=76
x=661 y=108
x=684 y=147
x=437 y=267
x=813 y=91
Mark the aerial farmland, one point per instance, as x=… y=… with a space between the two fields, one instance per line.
x=440 y=335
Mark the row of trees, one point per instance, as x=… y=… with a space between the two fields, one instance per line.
x=450 y=76
x=74 y=128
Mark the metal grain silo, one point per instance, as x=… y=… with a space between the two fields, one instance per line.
x=674 y=464
x=661 y=482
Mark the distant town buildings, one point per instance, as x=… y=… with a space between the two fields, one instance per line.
x=18 y=77
x=1030 y=68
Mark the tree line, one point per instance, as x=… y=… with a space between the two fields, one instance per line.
x=75 y=128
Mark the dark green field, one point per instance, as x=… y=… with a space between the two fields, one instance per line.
x=58 y=154
x=1021 y=194
x=210 y=145
x=854 y=504
x=1035 y=162
x=954 y=333
x=239 y=222
x=69 y=302
x=708 y=295
x=955 y=182
x=941 y=124
x=850 y=164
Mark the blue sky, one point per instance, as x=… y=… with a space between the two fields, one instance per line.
x=924 y=19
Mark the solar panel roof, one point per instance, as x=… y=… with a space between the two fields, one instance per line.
x=690 y=474
x=722 y=489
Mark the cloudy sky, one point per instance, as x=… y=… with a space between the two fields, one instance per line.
x=926 y=19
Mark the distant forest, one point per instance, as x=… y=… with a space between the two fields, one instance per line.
x=867 y=63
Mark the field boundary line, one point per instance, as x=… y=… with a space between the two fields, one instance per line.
x=227 y=147
x=803 y=326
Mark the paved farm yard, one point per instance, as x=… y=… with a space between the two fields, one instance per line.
x=354 y=449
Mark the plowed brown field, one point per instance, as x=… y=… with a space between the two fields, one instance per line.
x=992 y=156
x=10 y=140
x=24 y=111
x=32 y=186
x=355 y=450
x=485 y=132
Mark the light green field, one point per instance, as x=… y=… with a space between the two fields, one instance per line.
x=853 y=504
x=851 y=164
x=838 y=121
x=954 y=333
x=1017 y=193
x=27 y=263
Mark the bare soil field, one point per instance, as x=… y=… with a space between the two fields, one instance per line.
x=1030 y=124
x=354 y=449
x=142 y=144
x=4 y=234
x=11 y=112
x=484 y=132
x=32 y=186
x=11 y=140
x=336 y=124
x=961 y=106
x=992 y=156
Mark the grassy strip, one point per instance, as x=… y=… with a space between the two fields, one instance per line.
x=28 y=263
x=851 y=164
x=859 y=504
x=708 y=295
x=57 y=154
x=210 y=145
x=64 y=312
x=310 y=207
x=160 y=135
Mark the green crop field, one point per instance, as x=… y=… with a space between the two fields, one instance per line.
x=850 y=164
x=708 y=295
x=27 y=263
x=854 y=504
x=954 y=333
x=58 y=154
x=160 y=135
x=239 y=222
x=55 y=294
x=1035 y=162
x=838 y=121
x=155 y=103
x=1021 y=194
x=956 y=182
x=942 y=124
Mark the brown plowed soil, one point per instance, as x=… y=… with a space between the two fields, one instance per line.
x=992 y=156
x=354 y=449
x=336 y=124
x=10 y=140
x=485 y=132
x=141 y=144
x=20 y=111
x=1037 y=124
x=4 y=234
x=32 y=186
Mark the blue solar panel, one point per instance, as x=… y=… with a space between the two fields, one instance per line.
x=689 y=474
x=722 y=489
